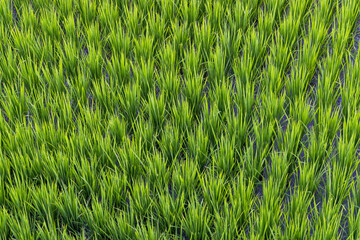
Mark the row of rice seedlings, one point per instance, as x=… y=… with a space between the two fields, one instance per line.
x=327 y=92
x=303 y=69
x=281 y=49
x=253 y=55
x=283 y=174
x=256 y=43
x=301 y=72
x=337 y=184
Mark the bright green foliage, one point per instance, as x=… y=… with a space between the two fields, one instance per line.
x=181 y=119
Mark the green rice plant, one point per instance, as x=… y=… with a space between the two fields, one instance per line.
x=59 y=169
x=350 y=129
x=169 y=85
x=65 y=8
x=230 y=43
x=121 y=226
x=130 y=102
x=237 y=129
x=157 y=109
x=30 y=21
x=263 y=137
x=338 y=183
x=298 y=221
x=244 y=98
x=199 y=146
x=8 y=65
x=211 y=120
x=93 y=36
x=118 y=68
x=54 y=78
x=304 y=68
x=185 y=175
x=149 y=231
x=144 y=135
x=327 y=224
x=143 y=48
x=29 y=73
x=214 y=189
x=272 y=106
x=180 y=36
x=224 y=157
x=15 y=103
x=4 y=219
x=119 y=41
x=69 y=208
x=346 y=153
x=193 y=91
x=190 y=11
x=141 y=200
x=225 y=224
x=96 y=217
x=70 y=57
x=113 y=188
x=49 y=231
x=181 y=115
x=279 y=170
x=316 y=154
x=289 y=143
x=157 y=171
x=171 y=142
x=327 y=122
x=349 y=95
x=94 y=62
x=168 y=10
x=241 y=198
x=156 y=27
x=79 y=88
x=169 y=210
x=133 y=20
x=168 y=60
x=71 y=29
x=301 y=111
x=144 y=74
x=50 y=24
x=117 y=129
x=197 y=220
x=61 y=107
x=216 y=68
x=38 y=3
x=43 y=199
x=215 y=14
x=103 y=94
x=87 y=11
x=309 y=176
x=86 y=178
x=20 y=227
x=192 y=62
x=353 y=228
x=204 y=39
x=223 y=97
x=252 y=162
x=108 y=13
x=5 y=12
x=353 y=216
x=130 y=160
x=270 y=212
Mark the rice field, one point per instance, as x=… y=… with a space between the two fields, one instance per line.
x=179 y=119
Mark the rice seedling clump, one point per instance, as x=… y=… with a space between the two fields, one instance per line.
x=182 y=119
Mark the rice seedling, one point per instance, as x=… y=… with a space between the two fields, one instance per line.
x=183 y=119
